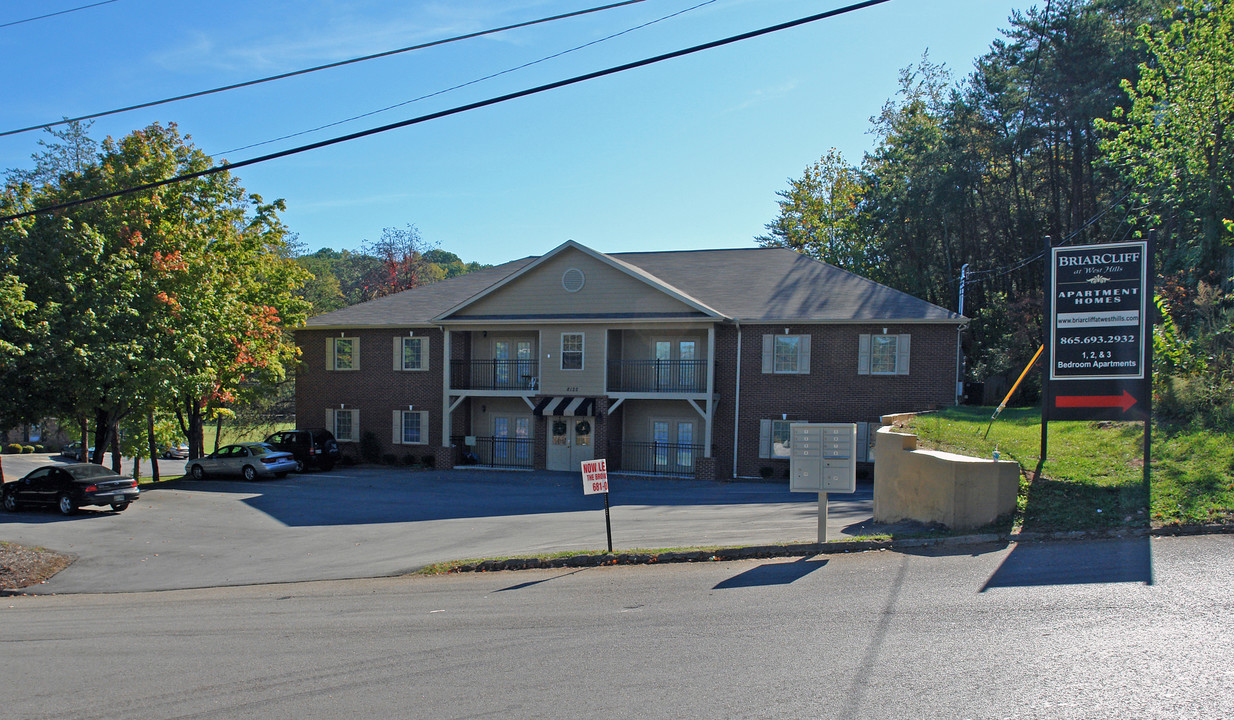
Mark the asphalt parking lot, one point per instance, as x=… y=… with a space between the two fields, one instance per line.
x=368 y=522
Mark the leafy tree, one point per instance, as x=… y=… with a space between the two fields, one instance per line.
x=1175 y=145
x=820 y=216
x=176 y=296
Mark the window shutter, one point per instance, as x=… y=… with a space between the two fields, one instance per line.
x=764 y=436
x=398 y=353
x=863 y=354
x=424 y=355
x=330 y=422
x=768 y=353
x=803 y=359
x=330 y=355
x=863 y=441
x=355 y=353
x=397 y=423
x=355 y=425
x=902 y=355
x=424 y=424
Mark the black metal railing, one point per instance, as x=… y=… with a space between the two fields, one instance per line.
x=494 y=374
x=659 y=458
x=667 y=376
x=495 y=452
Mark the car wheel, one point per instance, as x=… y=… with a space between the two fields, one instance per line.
x=198 y=472
x=299 y=466
x=119 y=507
x=65 y=504
x=249 y=473
x=10 y=502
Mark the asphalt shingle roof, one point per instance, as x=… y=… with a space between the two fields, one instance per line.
x=747 y=284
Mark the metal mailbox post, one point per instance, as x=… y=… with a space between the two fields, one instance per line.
x=822 y=458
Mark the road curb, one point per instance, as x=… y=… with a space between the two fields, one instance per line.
x=753 y=552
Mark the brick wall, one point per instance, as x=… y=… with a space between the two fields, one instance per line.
x=376 y=389
x=833 y=391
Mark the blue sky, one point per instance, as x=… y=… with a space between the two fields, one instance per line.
x=684 y=154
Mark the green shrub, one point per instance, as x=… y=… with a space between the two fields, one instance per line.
x=13 y=449
x=430 y=460
x=348 y=460
x=409 y=459
x=388 y=459
x=766 y=472
x=39 y=447
x=27 y=449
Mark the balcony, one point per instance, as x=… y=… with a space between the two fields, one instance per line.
x=495 y=452
x=660 y=458
x=521 y=375
x=657 y=376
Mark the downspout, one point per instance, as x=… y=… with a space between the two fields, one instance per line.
x=737 y=401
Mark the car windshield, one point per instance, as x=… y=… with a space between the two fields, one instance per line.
x=89 y=472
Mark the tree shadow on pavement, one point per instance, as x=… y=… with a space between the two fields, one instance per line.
x=1121 y=560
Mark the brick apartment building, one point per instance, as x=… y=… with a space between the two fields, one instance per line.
x=688 y=363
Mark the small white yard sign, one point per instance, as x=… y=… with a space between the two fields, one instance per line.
x=595 y=476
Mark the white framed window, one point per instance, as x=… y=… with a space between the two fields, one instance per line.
x=572 y=351
x=344 y=423
x=775 y=437
x=343 y=353
x=673 y=444
x=883 y=354
x=410 y=427
x=786 y=354
x=410 y=353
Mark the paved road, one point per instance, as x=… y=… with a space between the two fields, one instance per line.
x=1102 y=629
x=373 y=522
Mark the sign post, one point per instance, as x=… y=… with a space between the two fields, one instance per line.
x=1100 y=337
x=1099 y=341
x=595 y=480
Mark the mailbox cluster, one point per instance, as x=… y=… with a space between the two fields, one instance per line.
x=822 y=457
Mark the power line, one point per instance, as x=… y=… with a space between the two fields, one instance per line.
x=455 y=110
x=62 y=12
x=305 y=71
x=469 y=82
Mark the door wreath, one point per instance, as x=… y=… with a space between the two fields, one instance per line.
x=582 y=428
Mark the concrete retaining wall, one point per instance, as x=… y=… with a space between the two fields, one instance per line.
x=958 y=491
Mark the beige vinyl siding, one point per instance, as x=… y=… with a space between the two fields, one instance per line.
x=606 y=290
x=589 y=380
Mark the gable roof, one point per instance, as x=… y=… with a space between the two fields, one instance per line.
x=746 y=285
x=419 y=305
x=609 y=260
x=779 y=284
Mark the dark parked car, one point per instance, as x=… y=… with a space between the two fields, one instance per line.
x=313 y=447
x=68 y=487
x=73 y=450
x=252 y=460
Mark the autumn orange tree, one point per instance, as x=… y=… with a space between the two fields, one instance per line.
x=176 y=298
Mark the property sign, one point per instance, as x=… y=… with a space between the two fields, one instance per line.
x=595 y=476
x=1099 y=332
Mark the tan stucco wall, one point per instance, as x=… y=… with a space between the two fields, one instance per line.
x=958 y=491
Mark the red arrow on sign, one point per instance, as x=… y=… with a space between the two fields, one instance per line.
x=1124 y=401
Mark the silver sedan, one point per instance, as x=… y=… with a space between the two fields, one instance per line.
x=251 y=460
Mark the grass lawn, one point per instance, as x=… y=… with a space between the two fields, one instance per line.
x=1093 y=474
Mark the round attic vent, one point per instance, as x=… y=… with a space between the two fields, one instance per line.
x=572 y=280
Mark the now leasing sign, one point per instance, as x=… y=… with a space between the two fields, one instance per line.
x=1099 y=332
x=595 y=477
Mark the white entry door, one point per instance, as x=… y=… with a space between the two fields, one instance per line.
x=569 y=443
